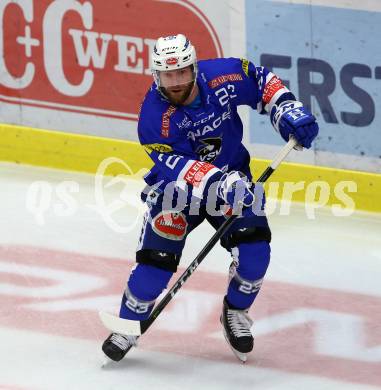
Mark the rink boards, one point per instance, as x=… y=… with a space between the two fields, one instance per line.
x=84 y=153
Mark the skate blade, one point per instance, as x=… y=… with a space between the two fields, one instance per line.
x=242 y=357
x=106 y=361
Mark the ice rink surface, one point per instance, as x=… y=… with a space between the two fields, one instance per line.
x=65 y=253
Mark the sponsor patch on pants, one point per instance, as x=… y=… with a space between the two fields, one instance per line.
x=170 y=225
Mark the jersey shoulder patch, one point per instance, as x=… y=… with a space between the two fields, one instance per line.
x=218 y=71
x=245 y=66
x=160 y=148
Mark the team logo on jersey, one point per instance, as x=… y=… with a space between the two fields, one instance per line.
x=170 y=225
x=210 y=150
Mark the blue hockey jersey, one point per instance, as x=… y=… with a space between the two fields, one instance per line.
x=195 y=146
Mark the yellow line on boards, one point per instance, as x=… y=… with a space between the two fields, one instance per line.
x=84 y=153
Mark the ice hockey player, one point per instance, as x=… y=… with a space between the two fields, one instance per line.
x=190 y=128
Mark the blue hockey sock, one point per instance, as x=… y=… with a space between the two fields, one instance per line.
x=246 y=278
x=145 y=284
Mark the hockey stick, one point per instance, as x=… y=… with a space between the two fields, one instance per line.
x=137 y=328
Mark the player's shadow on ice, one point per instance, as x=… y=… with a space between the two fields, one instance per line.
x=124 y=364
x=135 y=363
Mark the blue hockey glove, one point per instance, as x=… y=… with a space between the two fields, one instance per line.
x=292 y=118
x=235 y=190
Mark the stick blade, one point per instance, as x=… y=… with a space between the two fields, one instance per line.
x=120 y=325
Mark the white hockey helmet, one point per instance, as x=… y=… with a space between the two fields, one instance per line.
x=172 y=53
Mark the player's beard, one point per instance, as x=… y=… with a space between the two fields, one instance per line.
x=179 y=94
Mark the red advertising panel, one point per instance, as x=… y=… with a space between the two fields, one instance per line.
x=90 y=56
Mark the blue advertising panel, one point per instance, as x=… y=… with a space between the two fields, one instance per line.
x=331 y=59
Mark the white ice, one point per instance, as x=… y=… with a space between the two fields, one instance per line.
x=335 y=258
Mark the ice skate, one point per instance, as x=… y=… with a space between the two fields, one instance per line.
x=117 y=345
x=236 y=327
